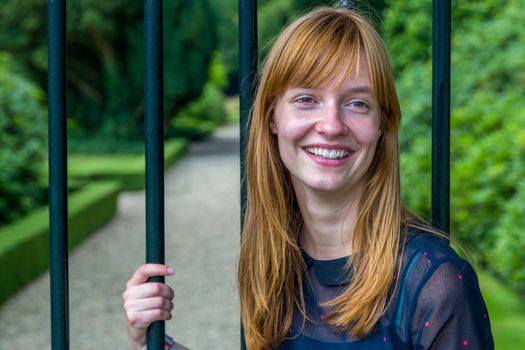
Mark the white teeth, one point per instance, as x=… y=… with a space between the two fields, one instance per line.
x=328 y=153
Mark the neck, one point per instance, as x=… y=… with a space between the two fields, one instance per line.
x=328 y=222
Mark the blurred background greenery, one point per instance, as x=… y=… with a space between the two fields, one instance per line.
x=105 y=107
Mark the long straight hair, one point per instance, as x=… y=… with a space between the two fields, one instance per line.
x=312 y=51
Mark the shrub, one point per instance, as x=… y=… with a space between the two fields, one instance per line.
x=200 y=117
x=22 y=142
x=487 y=137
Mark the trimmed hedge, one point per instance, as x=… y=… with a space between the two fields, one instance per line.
x=129 y=169
x=24 y=245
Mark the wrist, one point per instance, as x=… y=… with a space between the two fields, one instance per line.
x=137 y=338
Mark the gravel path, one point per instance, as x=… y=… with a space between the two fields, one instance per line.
x=202 y=243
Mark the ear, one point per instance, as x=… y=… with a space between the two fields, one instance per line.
x=273 y=127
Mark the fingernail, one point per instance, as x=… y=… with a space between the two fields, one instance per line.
x=169 y=270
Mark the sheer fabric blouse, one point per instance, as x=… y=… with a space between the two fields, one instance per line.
x=437 y=304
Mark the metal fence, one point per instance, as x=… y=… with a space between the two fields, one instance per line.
x=154 y=140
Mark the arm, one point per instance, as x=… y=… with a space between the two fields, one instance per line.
x=146 y=302
x=450 y=312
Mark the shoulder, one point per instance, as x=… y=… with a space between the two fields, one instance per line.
x=429 y=259
x=425 y=252
x=433 y=273
x=437 y=288
x=427 y=262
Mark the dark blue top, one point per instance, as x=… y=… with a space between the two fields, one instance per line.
x=436 y=305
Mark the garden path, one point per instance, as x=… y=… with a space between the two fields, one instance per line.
x=202 y=243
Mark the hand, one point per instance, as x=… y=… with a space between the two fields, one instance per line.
x=146 y=302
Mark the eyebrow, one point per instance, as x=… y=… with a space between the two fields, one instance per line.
x=361 y=89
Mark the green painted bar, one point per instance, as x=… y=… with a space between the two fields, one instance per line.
x=154 y=134
x=247 y=78
x=247 y=83
x=441 y=25
x=58 y=174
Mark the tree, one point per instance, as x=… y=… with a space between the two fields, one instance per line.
x=106 y=56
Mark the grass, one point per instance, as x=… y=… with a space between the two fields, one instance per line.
x=118 y=163
x=507 y=313
x=129 y=169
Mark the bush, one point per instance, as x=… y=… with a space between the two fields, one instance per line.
x=487 y=137
x=23 y=131
x=508 y=254
x=408 y=26
x=200 y=117
x=24 y=244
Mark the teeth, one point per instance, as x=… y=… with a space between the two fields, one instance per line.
x=328 y=153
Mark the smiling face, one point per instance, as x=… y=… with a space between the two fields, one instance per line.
x=327 y=135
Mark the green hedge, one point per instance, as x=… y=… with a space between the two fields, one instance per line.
x=24 y=245
x=487 y=134
x=129 y=169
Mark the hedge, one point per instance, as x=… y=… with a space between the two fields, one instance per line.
x=129 y=169
x=24 y=244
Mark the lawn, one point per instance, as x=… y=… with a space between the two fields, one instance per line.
x=507 y=313
x=129 y=169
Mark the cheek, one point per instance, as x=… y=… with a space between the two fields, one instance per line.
x=367 y=135
x=292 y=129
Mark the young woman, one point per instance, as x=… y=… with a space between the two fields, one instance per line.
x=329 y=257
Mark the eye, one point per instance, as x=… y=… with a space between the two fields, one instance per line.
x=306 y=100
x=358 y=106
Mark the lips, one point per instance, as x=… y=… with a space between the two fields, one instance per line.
x=328 y=153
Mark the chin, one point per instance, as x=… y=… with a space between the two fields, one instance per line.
x=327 y=186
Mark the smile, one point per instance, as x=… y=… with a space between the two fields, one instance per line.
x=328 y=153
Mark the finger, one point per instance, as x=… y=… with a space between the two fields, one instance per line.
x=148 y=290
x=144 y=272
x=143 y=319
x=136 y=305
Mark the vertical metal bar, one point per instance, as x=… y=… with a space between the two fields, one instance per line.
x=247 y=79
x=58 y=247
x=154 y=135
x=247 y=83
x=441 y=114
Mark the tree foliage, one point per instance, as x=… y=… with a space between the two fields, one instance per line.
x=487 y=136
x=22 y=142
x=106 y=56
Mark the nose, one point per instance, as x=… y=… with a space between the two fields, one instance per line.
x=331 y=122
